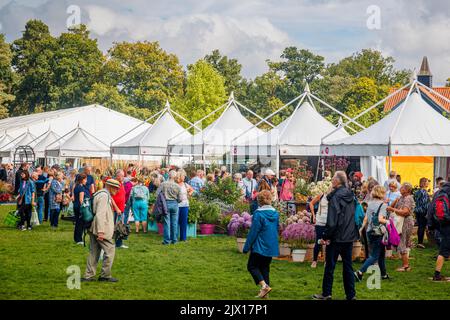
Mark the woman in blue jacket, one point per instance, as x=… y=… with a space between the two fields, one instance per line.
x=262 y=242
x=26 y=199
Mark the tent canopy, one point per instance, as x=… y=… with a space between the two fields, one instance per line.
x=216 y=139
x=40 y=145
x=105 y=124
x=299 y=135
x=7 y=150
x=153 y=141
x=412 y=129
x=78 y=143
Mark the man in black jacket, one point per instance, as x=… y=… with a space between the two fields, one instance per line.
x=340 y=233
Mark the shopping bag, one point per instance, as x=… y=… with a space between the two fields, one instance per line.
x=34 y=217
x=12 y=219
x=130 y=217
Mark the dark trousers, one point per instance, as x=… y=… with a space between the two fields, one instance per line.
x=317 y=246
x=422 y=225
x=377 y=253
x=366 y=244
x=79 y=225
x=54 y=217
x=183 y=213
x=25 y=215
x=46 y=206
x=259 y=267
x=334 y=249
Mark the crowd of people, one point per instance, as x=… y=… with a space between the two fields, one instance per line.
x=124 y=195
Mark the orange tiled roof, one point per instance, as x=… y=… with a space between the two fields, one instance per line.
x=396 y=99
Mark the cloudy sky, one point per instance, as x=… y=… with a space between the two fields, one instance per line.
x=256 y=30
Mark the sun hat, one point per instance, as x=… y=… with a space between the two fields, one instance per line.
x=269 y=172
x=113 y=183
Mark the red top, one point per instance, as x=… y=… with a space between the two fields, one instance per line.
x=119 y=198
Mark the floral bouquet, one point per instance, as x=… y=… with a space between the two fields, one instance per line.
x=239 y=225
x=320 y=187
x=299 y=235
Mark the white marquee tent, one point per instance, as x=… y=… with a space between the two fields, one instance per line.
x=40 y=143
x=412 y=129
x=216 y=139
x=153 y=141
x=78 y=143
x=7 y=150
x=105 y=124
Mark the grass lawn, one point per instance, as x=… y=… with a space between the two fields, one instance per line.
x=33 y=266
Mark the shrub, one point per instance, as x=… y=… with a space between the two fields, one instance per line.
x=209 y=213
x=224 y=190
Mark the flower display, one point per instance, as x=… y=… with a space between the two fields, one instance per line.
x=320 y=187
x=240 y=225
x=300 y=217
x=299 y=235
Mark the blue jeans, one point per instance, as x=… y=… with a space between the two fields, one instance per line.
x=40 y=207
x=334 y=249
x=377 y=253
x=54 y=217
x=170 y=222
x=183 y=222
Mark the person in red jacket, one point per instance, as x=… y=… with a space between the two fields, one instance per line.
x=119 y=202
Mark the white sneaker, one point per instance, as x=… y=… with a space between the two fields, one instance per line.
x=123 y=246
x=80 y=243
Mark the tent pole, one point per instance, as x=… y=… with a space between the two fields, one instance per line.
x=317 y=170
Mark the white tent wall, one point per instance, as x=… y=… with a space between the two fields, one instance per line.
x=374 y=167
x=441 y=168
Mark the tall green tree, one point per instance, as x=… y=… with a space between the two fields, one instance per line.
x=298 y=66
x=229 y=69
x=76 y=66
x=370 y=64
x=109 y=97
x=205 y=92
x=144 y=73
x=32 y=60
x=6 y=77
x=362 y=95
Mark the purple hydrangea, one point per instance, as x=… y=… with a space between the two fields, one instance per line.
x=240 y=224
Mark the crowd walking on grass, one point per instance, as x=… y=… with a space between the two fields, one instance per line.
x=382 y=217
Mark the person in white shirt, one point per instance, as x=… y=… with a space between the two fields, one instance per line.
x=250 y=185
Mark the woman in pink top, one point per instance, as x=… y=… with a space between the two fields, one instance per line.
x=287 y=187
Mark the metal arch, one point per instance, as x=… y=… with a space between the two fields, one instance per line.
x=24 y=154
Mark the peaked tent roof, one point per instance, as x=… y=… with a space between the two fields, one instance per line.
x=5 y=139
x=39 y=146
x=105 y=124
x=413 y=129
x=23 y=140
x=217 y=137
x=79 y=143
x=153 y=141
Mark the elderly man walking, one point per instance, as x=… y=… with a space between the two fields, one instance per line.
x=101 y=234
x=339 y=234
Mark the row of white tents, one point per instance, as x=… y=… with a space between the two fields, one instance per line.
x=414 y=128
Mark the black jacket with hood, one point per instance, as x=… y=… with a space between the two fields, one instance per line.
x=341 y=226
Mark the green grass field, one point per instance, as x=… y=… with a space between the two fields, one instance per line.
x=33 y=266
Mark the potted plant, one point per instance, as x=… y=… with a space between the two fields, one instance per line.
x=195 y=207
x=208 y=218
x=302 y=193
x=152 y=225
x=299 y=235
x=239 y=227
x=6 y=191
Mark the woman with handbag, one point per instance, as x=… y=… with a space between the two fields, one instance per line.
x=80 y=196
x=402 y=209
x=55 y=199
x=26 y=199
x=375 y=220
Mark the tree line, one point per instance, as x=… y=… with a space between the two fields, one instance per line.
x=40 y=72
